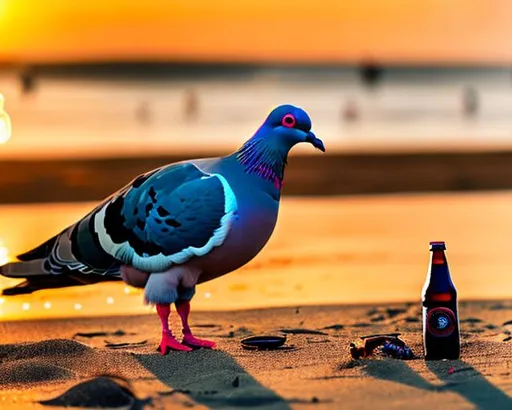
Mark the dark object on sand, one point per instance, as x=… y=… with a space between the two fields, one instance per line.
x=441 y=339
x=263 y=342
x=398 y=352
x=98 y=392
x=390 y=344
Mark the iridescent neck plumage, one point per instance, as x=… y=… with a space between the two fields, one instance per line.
x=261 y=157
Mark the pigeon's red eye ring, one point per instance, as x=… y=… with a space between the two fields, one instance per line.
x=288 y=121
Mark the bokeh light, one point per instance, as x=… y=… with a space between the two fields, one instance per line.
x=5 y=123
x=4 y=253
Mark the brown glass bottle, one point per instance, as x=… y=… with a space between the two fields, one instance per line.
x=441 y=338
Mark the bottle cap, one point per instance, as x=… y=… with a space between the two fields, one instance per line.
x=437 y=245
x=263 y=342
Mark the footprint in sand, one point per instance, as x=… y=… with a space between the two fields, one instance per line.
x=90 y=335
x=240 y=332
x=392 y=315
x=471 y=320
x=500 y=306
x=123 y=344
x=337 y=326
x=301 y=331
x=508 y=331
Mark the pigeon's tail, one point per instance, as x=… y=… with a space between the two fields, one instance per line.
x=31 y=263
x=44 y=268
x=31 y=267
x=37 y=279
x=23 y=269
x=53 y=265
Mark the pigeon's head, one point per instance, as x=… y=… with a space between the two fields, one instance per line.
x=288 y=125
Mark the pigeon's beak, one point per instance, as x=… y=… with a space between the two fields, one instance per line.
x=316 y=142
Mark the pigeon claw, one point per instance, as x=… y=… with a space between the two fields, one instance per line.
x=193 y=342
x=169 y=342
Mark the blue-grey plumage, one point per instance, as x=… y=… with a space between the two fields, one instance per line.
x=177 y=225
x=175 y=214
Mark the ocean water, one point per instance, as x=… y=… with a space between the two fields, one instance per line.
x=323 y=251
x=410 y=110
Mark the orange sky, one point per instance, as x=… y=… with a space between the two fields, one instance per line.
x=258 y=30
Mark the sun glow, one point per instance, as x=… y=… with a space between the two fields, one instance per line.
x=4 y=253
x=257 y=30
x=5 y=123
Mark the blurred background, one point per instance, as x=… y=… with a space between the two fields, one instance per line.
x=412 y=100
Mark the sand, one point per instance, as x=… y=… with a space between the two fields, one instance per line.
x=112 y=363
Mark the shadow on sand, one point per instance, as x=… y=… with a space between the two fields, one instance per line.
x=465 y=380
x=212 y=378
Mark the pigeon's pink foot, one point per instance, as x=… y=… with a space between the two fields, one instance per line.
x=190 y=340
x=169 y=342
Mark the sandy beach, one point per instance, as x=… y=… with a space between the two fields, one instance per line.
x=111 y=362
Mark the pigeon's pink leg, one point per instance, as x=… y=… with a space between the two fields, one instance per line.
x=168 y=339
x=188 y=339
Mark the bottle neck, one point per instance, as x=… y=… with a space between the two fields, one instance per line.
x=437 y=257
x=439 y=281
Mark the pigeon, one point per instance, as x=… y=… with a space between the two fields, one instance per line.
x=176 y=226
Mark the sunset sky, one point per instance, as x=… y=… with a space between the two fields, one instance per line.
x=466 y=31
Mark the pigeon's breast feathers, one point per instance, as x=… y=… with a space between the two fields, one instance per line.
x=166 y=217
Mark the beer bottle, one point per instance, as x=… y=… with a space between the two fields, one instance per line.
x=441 y=339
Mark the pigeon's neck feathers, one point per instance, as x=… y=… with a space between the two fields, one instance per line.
x=261 y=155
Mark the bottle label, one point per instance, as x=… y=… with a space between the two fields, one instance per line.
x=441 y=321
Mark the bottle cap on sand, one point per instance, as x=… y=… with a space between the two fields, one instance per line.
x=263 y=342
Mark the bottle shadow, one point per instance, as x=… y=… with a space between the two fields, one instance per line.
x=457 y=376
x=212 y=378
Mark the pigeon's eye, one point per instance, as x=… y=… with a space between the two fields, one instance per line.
x=288 y=121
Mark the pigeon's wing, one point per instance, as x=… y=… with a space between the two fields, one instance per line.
x=165 y=218
x=75 y=250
